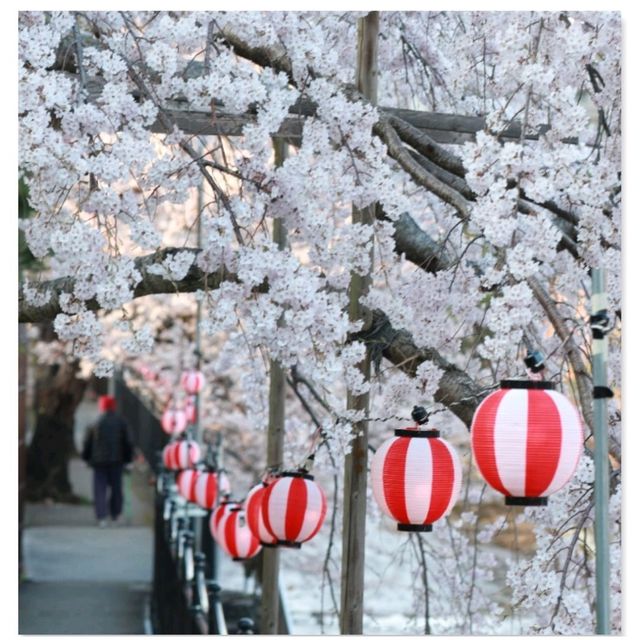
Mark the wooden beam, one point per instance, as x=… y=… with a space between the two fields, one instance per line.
x=444 y=128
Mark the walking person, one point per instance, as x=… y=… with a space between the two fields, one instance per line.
x=107 y=448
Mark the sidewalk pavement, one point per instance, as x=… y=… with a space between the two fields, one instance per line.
x=80 y=579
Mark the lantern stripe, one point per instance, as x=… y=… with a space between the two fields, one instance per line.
x=543 y=443
x=418 y=477
x=442 y=469
x=321 y=513
x=295 y=515
x=377 y=466
x=312 y=514
x=510 y=437
x=254 y=515
x=457 y=477
x=393 y=478
x=230 y=534
x=216 y=518
x=186 y=484
x=275 y=502
x=206 y=490
x=482 y=438
x=572 y=442
x=175 y=461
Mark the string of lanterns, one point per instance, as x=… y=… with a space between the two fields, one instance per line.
x=526 y=442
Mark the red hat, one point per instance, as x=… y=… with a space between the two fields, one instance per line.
x=106 y=403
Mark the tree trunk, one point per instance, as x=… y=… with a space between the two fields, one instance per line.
x=57 y=395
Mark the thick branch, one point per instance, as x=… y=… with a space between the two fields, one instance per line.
x=399 y=153
x=427 y=146
x=151 y=283
x=457 y=391
x=416 y=245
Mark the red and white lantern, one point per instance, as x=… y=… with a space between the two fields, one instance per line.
x=218 y=514
x=234 y=535
x=255 y=520
x=192 y=382
x=186 y=482
x=416 y=478
x=181 y=455
x=206 y=491
x=293 y=508
x=173 y=421
x=526 y=440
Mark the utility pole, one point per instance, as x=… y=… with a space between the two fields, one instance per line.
x=355 y=470
x=275 y=440
x=599 y=349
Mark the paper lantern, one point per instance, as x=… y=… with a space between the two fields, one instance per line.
x=235 y=537
x=293 y=508
x=181 y=455
x=206 y=491
x=186 y=482
x=255 y=520
x=192 y=382
x=174 y=421
x=526 y=440
x=416 y=478
x=218 y=514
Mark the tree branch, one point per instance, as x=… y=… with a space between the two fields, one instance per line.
x=195 y=280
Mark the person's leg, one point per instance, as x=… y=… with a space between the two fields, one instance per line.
x=116 y=491
x=100 y=481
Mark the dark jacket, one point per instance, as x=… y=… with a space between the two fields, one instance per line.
x=108 y=441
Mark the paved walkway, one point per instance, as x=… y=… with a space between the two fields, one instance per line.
x=80 y=579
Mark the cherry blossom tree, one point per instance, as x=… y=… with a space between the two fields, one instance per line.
x=492 y=166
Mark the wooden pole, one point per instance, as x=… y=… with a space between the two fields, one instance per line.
x=355 y=471
x=275 y=439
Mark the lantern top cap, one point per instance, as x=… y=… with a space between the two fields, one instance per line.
x=417 y=433
x=295 y=474
x=527 y=384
